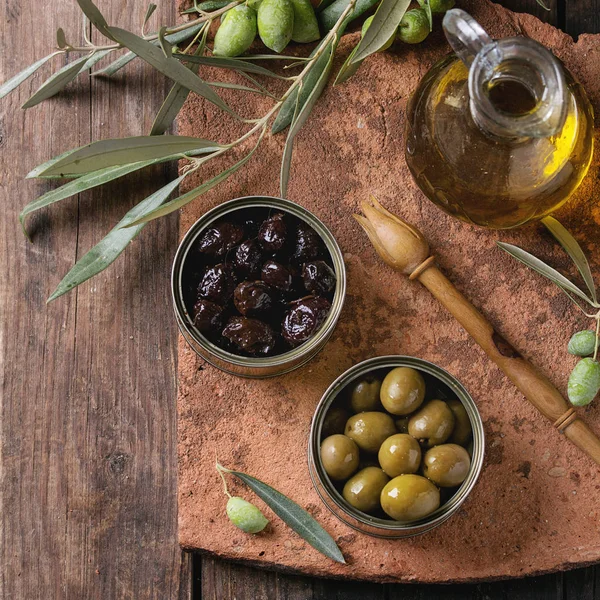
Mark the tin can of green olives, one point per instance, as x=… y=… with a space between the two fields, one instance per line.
x=439 y=384
x=187 y=271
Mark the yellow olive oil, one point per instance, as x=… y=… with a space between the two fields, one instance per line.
x=491 y=180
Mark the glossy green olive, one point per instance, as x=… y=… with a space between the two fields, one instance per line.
x=363 y=489
x=582 y=343
x=446 y=465
x=461 y=434
x=275 y=23
x=364 y=395
x=334 y=421
x=584 y=382
x=409 y=497
x=438 y=7
x=306 y=27
x=339 y=456
x=432 y=424
x=400 y=454
x=402 y=424
x=414 y=26
x=245 y=515
x=236 y=32
x=370 y=429
x=402 y=391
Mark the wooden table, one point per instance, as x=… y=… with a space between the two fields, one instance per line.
x=88 y=383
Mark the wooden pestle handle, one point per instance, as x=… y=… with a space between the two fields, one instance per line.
x=530 y=382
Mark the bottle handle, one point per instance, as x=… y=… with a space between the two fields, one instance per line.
x=466 y=36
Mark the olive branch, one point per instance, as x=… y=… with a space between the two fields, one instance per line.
x=103 y=161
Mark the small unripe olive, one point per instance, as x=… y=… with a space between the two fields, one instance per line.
x=438 y=7
x=245 y=516
x=583 y=343
x=414 y=26
x=236 y=32
x=276 y=23
x=584 y=382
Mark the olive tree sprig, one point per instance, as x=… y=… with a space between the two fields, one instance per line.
x=584 y=381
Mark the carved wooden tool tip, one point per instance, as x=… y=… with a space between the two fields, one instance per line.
x=404 y=248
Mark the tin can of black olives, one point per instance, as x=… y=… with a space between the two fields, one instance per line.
x=186 y=273
x=439 y=384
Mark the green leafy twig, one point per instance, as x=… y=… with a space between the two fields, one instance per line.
x=298 y=519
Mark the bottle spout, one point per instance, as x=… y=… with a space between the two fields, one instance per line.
x=516 y=63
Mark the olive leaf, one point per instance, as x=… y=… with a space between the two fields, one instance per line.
x=151 y=8
x=19 y=78
x=181 y=201
x=35 y=173
x=543 y=5
x=426 y=6
x=298 y=519
x=168 y=66
x=90 y=10
x=61 y=40
x=172 y=38
x=208 y=6
x=57 y=82
x=121 y=151
x=543 y=269
x=108 y=249
x=385 y=23
x=164 y=44
x=286 y=112
x=348 y=69
x=242 y=88
x=302 y=112
x=227 y=63
x=573 y=249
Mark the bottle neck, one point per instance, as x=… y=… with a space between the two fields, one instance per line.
x=517 y=90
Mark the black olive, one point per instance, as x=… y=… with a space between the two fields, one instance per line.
x=272 y=234
x=220 y=238
x=277 y=276
x=217 y=284
x=252 y=298
x=303 y=319
x=251 y=226
x=247 y=258
x=208 y=316
x=319 y=278
x=307 y=244
x=250 y=335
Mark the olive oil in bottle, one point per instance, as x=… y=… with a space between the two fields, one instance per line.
x=499 y=133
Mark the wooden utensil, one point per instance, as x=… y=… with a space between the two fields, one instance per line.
x=404 y=248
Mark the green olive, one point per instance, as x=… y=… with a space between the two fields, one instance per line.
x=276 y=23
x=334 y=421
x=462 y=431
x=402 y=391
x=438 y=7
x=364 y=395
x=414 y=26
x=409 y=497
x=236 y=32
x=432 y=424
x=402 y=424
x=370 y=429
x=366 y=26
x=584 y=382
x=339 y=455
x=582 y=343
x=446 y=465
x=363 y=489
x=306 y=27
x=245 y=515
x=400 y=454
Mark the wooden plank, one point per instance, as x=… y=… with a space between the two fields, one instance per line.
x=582 y=16
x=534 y=8
x=88 y=384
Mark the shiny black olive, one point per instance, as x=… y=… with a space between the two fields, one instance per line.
x=247 y=258
x=272 y=234
x=319 y=277
x=217 y=284
x=252 y=298
x=220 y=238
x=277 y=276
x=208 y=316
x=250 y=335
x=251 y=226
x=307 y=244
x=304 y=318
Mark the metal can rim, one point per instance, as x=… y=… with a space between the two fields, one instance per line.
x=310 y=347
x=374 y=525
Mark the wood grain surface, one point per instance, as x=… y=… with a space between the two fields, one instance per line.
x=87 y=389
